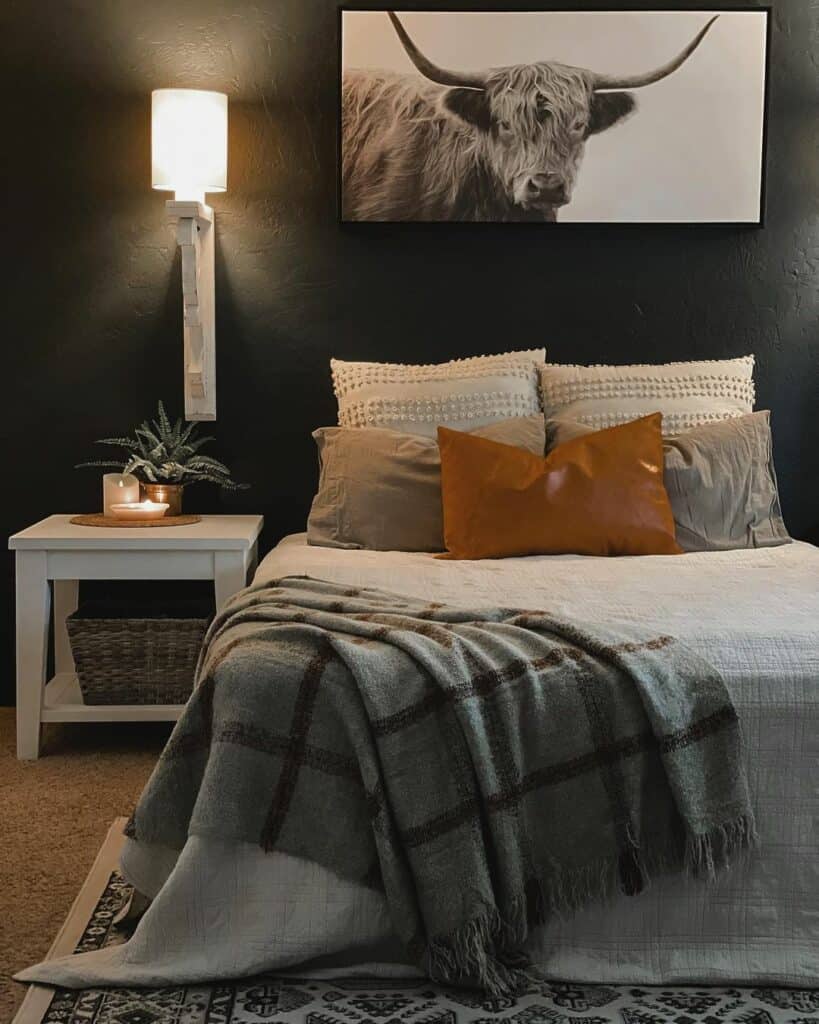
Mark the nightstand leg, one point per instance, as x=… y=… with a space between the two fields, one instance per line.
x=252 y=562
x=229 y=574
x=33 y=610
x=66 y=598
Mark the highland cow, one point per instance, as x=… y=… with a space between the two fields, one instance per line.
x=504 y=144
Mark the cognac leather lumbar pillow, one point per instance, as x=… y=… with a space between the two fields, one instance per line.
x=601 y=494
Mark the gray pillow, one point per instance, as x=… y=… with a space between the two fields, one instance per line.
x=381 y=489
x=720 y=480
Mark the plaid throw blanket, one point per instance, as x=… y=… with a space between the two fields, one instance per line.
x=485 y=768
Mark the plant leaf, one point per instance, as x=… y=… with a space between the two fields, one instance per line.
x=164 y=426
x=189 y=432
x=206 y=462
x=162 y=451
x=101 y=462
x=144 y=466
x=194 y=446
x=120 y=442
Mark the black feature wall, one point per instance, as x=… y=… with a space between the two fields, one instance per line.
x=91 y=308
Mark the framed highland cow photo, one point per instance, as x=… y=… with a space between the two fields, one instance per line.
x=571 y=116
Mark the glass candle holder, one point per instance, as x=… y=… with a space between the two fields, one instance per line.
x=118 y=489
x=140 y=510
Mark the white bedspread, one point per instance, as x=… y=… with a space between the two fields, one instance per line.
x=754 y=614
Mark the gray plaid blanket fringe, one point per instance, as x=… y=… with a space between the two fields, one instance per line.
x=485 y=768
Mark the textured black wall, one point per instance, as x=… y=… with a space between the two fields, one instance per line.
x=91 y=310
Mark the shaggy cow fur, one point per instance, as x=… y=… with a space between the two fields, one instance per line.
x=414 y=150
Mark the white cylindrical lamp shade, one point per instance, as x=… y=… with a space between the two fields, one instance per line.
x=189 y=142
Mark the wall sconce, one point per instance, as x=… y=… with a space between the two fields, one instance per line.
x=189 y=157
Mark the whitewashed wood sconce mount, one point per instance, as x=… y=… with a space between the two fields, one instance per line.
x=189 y=158
x=194 y=235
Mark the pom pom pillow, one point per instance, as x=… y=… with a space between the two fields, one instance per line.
x=687 y=394
x=463 y=393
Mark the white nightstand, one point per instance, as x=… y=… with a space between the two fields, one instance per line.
x=219 y=548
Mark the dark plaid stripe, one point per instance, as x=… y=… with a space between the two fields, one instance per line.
x=549 y=775
x=725 y=716
x=507 y=772
x=462 y=769
x=554 y=774
x=430 y=610
x=382 y=821
x=657 y=644
x=600 y=712
x=540 y=620
x=181 y=744
x=256 y=738
x=394 y=623
x=300 y=726
x=601 y=758
x=441 y=823
x=485 y=683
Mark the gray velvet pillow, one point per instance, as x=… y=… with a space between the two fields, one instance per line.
x=720 y=480
x=381 y=489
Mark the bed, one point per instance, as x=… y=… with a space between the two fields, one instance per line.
x=230 y=909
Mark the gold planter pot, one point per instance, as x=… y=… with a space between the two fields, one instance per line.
x=171 y=493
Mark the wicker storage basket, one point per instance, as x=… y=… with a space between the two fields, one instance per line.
x=131 y=654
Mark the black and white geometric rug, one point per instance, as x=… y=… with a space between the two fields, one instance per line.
x=293 y=1000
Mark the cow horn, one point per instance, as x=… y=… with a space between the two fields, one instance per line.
x=464 y=79
x=650 y=77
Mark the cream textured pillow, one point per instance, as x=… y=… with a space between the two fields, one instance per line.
x=462 y=394
x=687 y=394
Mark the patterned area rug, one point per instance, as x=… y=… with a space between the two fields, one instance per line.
x=275 y=1000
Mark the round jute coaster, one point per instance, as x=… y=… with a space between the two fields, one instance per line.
x=134 y=524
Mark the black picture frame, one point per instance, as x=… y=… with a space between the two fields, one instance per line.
x=764 y=9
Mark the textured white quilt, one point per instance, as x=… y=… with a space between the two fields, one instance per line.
x=226 y=910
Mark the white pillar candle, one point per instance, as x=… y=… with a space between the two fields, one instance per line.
x=117 y=489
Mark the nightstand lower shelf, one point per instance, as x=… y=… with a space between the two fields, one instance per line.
x=63 y=703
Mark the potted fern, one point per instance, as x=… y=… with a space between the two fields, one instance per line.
x=165 y=459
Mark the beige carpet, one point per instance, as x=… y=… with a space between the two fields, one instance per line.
x=54 y=816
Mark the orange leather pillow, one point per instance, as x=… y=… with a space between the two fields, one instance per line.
x=600 y=494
